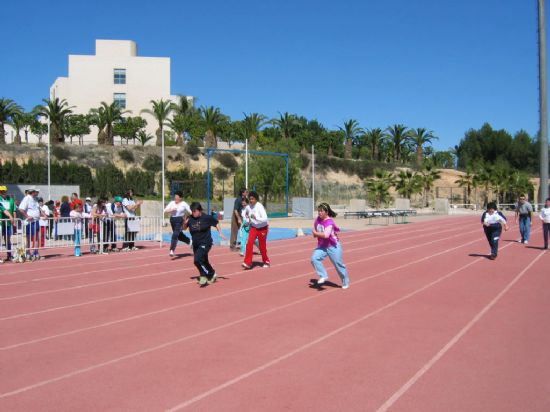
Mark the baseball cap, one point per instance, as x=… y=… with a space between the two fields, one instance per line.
x=89 y=198
x=33 y=189
x=3 y=188
x=118 y=199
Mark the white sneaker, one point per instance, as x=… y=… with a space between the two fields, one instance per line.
x=171 y=253
x=345 y=285
x=213 y=279
x=526 y=242
x=134 y=248
x=266 y=265
x=126 y=249
x=241 y=253
x=320 y=281
x=191 y=244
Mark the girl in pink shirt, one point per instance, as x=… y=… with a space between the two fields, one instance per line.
x=328 y=244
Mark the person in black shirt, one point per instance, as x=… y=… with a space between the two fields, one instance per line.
x=199 y=225
x=236 y=219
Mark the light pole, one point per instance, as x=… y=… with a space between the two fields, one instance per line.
x=543 y=108
x=49 y=161
x=162 y=171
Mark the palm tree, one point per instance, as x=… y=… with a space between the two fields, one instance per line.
x=7 y=109
x=467 y=181
x=418 y=138
x=143 y=137
x=55 y=110
x=483 y=178
x=428 y=175
x=288 y=124
x=397 y=135
x=379 y=187
x=408 y=183
x=518 y=183
x=108 y=114
x=180 y=125
x=252 y=124
x=375 y=137
x=161 y=111
x=213 y=120
x=351 y=131
x=182 y=106
x=18 y=121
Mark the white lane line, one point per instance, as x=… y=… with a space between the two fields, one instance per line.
x=238 y=321
x=179 y=284
x=183 y=305
x=407 y=385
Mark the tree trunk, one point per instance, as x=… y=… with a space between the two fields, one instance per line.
x=159 y=136
x=17 y=139
x=2 y=134
x=330 y=151
x=55 y=135
x=419 y=155
x=347 y=149
x=101 y=137
x=179 y=139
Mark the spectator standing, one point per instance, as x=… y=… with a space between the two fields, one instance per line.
x=30 y=210
x=115 y=211
x=87 y=213
x=99 y=214
x=76 y=216
x=43 y=223
x=7 y=217
x=524 y=210
x=236 y=218
x=130 y=208
x=76 y=201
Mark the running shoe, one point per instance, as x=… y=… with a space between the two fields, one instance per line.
x=171 y=253
x=212 y=279
x=244 y=265
x=321 y=281
x=203 y=280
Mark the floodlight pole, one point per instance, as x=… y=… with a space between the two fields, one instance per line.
x=543 y=107
x=49 y=162
x=162 y=171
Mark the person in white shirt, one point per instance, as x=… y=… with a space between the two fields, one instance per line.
x=259 y=228
x=177 y=209
x=30 y=209
x=87 y=213
x=130 y=208
x=493 y=221
x=43 y=222
x=545 y=217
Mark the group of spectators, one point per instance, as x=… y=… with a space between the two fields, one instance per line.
x=41 y=220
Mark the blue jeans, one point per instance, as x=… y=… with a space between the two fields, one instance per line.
x=77 y=235
x=525 y=228
x=335 y=255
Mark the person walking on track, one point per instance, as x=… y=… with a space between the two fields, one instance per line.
x=199 y=225
x=328 y=244
x=545 y=217
x=524 y=210
x=493 y=221
x=236 y=220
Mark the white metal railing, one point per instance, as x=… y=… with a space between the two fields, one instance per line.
x=98 y=235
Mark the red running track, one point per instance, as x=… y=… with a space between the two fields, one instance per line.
x=428 y=324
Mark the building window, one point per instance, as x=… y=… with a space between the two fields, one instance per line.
x=120 y=76
x=120 y=100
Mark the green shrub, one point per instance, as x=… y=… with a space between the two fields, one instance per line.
x=60 y=153
x=192 y=150
x=152 y=162
x=227 y=160
x=126 y=156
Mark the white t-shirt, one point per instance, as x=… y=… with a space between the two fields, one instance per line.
x=47 y=213
x=77 y=219
x=30 y=206
x=257 y=215
x=494 y=218
x=177 y=209
x=128 y=202
x=545 y=214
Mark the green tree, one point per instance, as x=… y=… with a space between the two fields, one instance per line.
x=161 y=110
x=107 y=115
x=76 y=125
x=19 y=120
x=408 y=183
x=418 y=138
x=39 y=129
x=213 y=121
x=142 y=137
x=378 y=187
x=55 y=110
x=287 y=124
x=375 y=138
x=128 y=128
x=252 y=125
x=7 y=109
x=428 y=175
x=397 y=136
x=351 y=131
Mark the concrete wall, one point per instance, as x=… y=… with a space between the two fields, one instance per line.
x=57 y=191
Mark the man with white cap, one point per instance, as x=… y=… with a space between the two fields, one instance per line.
x=87 y=213
x=7 y=218
x=30 y=209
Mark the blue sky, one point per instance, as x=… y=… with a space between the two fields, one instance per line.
x=447 y=65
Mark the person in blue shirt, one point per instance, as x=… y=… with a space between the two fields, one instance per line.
x=493 y=221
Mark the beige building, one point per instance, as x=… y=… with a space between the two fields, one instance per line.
x=115 y=73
